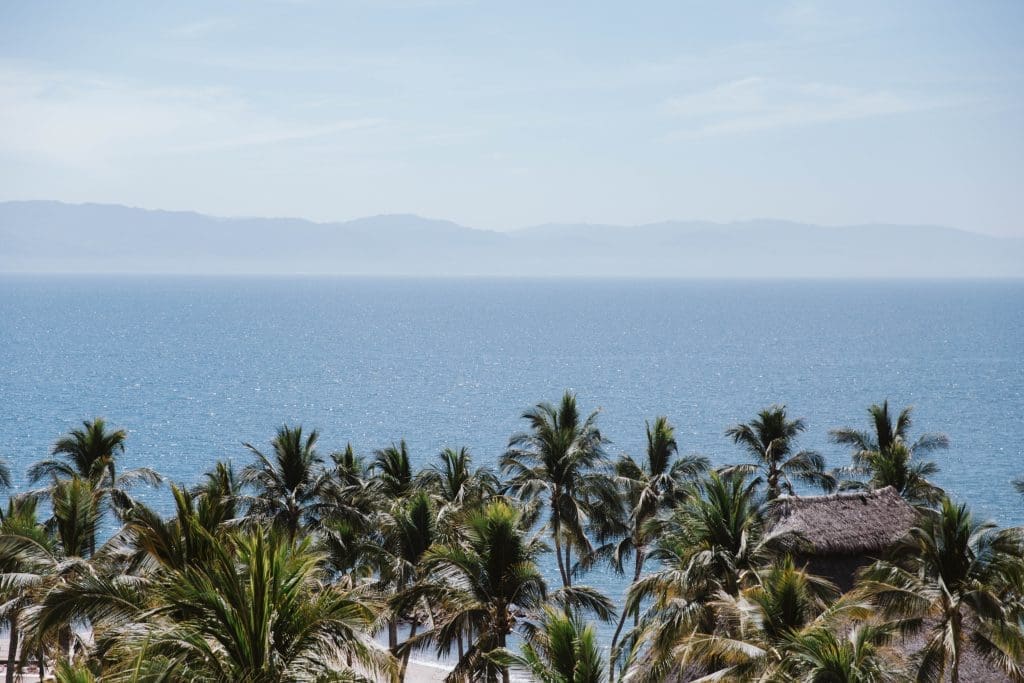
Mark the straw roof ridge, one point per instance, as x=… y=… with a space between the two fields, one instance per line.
x=844 y=523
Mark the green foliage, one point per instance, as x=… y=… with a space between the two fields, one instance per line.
x=770 y=441
x=290 y=569
x=562 y=648
x=885 y=456
x=561 y=461
x=288 y=484
x=959 y=581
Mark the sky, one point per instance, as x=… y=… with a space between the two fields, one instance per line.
x=500 y=115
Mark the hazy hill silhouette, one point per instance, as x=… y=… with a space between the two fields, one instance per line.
x=53 y=237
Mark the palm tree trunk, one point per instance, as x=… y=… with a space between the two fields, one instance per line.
x=459 y=641
x=504 y=669
x=408 y=652
x=773 y=481
x=568 y=564
x=393 y=634
x=954 y=675
x=622 y=619
x=12 y=652
x=556 y=532
x=42 y=665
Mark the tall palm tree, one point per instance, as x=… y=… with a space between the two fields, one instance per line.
x=349 y=468
x=769 y=440
x=485 y=582
x=259 y=609
x=887 y=456
x=42 y=561
x=885 y=433
x=561 y=648
x=485 y=585
x=181 y=541
x=562 y=459
x=454 y=481
x=18 y=570
x=960 y=580
x=711 y=544
x=393 y=470
x=650 y=487
x=91 y=453
x=223 y=488
x=897 y=467
x=289 y=484
x=408 y=532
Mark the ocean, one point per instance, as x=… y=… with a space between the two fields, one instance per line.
x=192 y=368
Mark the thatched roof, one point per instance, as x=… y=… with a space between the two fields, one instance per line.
x=845 y=523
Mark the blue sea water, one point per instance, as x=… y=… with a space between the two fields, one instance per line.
x=194 y=367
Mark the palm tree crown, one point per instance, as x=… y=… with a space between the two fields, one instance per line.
x=561 y=458
x=562 y=648
x=769 y=440
x=89 y=453
x=487 y=580
x=288 y=485
x=886 y=455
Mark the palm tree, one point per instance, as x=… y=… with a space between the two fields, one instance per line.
x=886 y=455
x=90 y=453
x=41 y=561
x=259 y=609
x=711 y=544
x=69 y=673
x=485 y=582
x=483 y=586
x=5 y=474
x=454 y=481
x=768 y=439
x=561 y=458
x=753 y=630
x=886 y=433
x=222 y=488
x=897 y=468
x=864 y=655
x=561 y=648
x=288 y=486
x=393 y=471
x=181 y=541
x=960 y=580
x=18 y=577
x=650 y=488
x=349 y=468
x=408 y=532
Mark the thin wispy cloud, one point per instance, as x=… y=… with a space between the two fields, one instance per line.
x=81 y=120
x=200 y=28
x=755 y=104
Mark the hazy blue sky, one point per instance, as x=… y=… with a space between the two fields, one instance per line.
x=499 y=115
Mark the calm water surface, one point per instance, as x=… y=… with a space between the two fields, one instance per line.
x=194 y=367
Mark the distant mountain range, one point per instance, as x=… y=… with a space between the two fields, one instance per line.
x=53 y=237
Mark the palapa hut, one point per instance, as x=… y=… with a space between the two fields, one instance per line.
x=836 y=535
